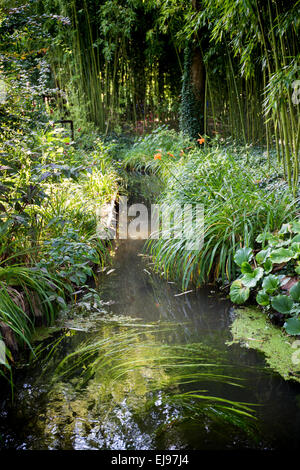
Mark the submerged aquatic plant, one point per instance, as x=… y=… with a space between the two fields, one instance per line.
x=132 y=363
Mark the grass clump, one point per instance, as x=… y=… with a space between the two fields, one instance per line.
x=237 y=207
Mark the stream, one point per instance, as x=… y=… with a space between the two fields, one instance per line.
x=135 y=358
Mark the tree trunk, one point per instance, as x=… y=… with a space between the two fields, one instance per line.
x=198 y=84
x=193 y=88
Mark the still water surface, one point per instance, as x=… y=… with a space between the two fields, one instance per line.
x=124 y=401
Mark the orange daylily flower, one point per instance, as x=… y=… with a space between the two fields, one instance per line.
x=157 y=156
x=170 y=154
x=201 y=140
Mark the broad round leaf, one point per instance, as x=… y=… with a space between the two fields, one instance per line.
x=262 y=255
x=282 y=255
x=282 y=303
x=246 y=267
x=268 y=266
x=242 y=255
x=275 y=241
x=295 y=247
x=251 y=279
x=296 y=239
x=262 y=298
x=292 y=326
x=296 y=226
x=239 y=293
x=270 y=283
x=295 y=292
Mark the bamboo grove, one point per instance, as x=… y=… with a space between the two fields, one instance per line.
x=123 y=64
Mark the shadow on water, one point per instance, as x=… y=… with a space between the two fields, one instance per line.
x=136 y=371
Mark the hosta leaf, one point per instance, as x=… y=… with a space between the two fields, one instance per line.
x=295 y=292
x=282 y=255
x=282 y=303
x=262 y=255
x=292 y=326
x=296 y=238
x=243 y=255
x=295 y=247
x=283 y=243
x=251 y=279
x=263 y=236
x=262 y=298
x=239 y=293
x=246 y=267
x=268 y=266
x=275 y=241
x=296 y=226
x=270 y=283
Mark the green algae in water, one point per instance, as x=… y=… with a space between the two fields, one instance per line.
x=130 y=381
x=129 y=386
x=252 y=329
x=43 y=332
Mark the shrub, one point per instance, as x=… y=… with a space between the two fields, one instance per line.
x=273 y=273
x=162 y=140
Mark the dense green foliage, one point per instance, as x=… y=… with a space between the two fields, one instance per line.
x=120 y=64
x=50 y=189
x=126 y=66
x=237 y=207
x=274 y=271
x=49 y=222
x=162 y=142
x=245 y=203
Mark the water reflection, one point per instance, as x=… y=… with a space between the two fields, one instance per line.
x=69 y=412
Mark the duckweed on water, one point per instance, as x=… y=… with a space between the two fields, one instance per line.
x=252 y=329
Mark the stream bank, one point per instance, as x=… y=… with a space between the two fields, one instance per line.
x=109 y=379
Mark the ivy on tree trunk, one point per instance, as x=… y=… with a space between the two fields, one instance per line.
x=193 y=89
